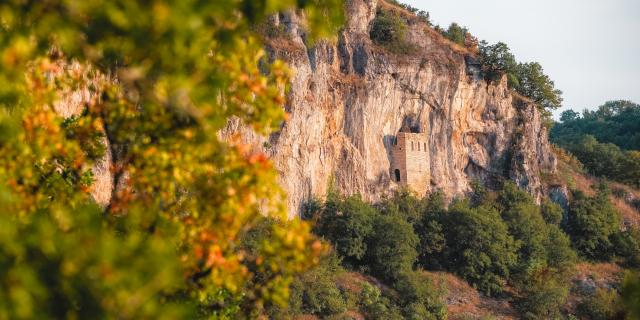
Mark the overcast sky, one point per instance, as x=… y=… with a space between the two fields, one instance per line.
x=590 y=48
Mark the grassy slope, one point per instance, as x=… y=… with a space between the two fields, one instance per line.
x=571 y=174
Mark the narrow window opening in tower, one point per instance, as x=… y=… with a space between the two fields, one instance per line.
x=397 y=172
x=425 y=147
x=418 y=146
x=411 y=145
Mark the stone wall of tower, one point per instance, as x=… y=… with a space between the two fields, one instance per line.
x=410 y=156
x=399 y=160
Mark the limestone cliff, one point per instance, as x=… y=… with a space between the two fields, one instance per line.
x=349 y=99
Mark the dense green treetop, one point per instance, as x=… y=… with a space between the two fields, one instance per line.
x=606 y=140
x=616 y=122
x=592 y=221
x=528 y=79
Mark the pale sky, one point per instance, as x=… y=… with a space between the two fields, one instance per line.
x=590 y=48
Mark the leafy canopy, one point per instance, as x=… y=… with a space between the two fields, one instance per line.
x=606 y=140
x=528 y=79
x=592 y=223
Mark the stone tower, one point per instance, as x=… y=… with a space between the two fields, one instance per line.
x=410 y=161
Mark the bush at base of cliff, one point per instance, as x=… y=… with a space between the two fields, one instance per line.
x=456 y=33
x=592 y=222
x=381 y=241
x=552 y=213
x=479 y=247
x=376 y=306
x=315 y=292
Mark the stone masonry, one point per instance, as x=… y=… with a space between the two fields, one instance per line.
x=410 y=161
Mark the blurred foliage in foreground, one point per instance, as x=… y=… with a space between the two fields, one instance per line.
x=164 y=76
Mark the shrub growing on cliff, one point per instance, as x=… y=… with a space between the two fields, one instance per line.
x=270 y=30
x=348 y=224
x=392 y=247
x=497 y=60
x=389 y=30
x=423 y=15
x=456 y=33
x=534 y=84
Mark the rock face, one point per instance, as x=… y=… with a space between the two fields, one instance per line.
x=71 y=102
x=348 y=100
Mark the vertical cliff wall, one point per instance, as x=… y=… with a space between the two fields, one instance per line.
x=347 y=100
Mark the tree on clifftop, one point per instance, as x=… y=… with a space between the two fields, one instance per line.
x=528 y=79
x=534 y=84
